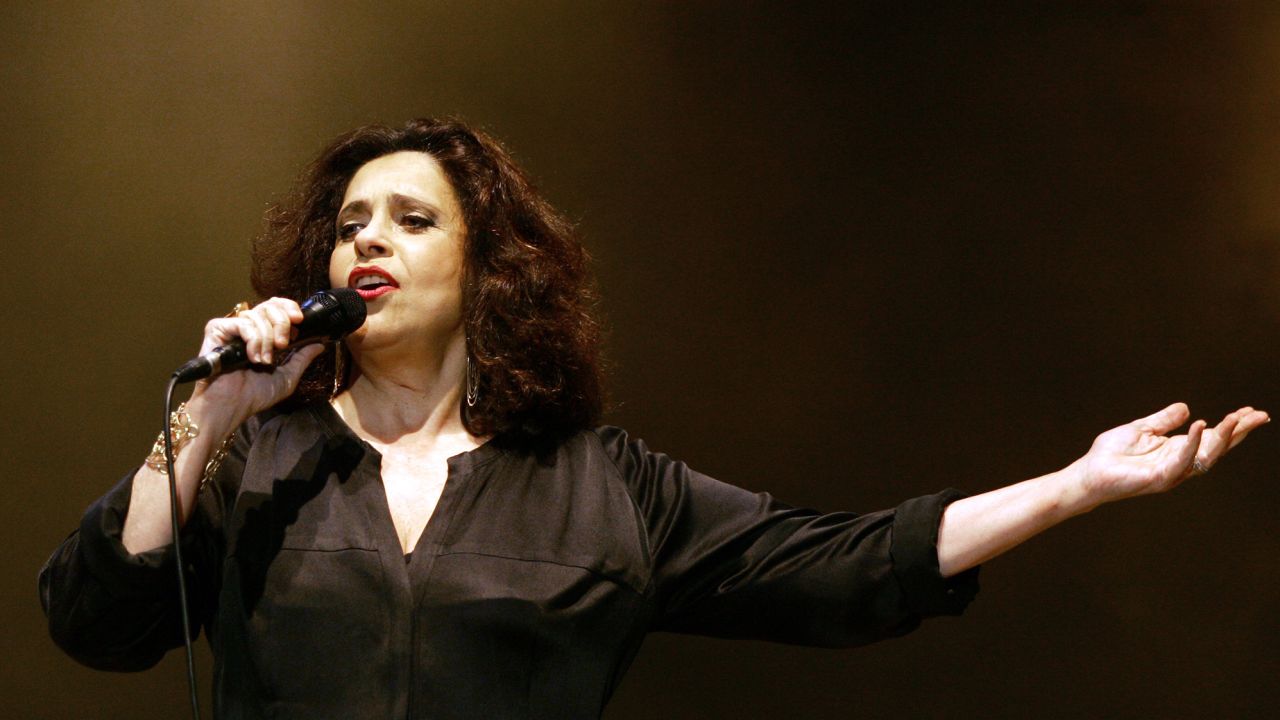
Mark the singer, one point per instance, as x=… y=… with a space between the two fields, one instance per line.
x=424 y=520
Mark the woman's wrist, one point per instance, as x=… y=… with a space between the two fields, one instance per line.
x=215 y=419
x=1074 y=496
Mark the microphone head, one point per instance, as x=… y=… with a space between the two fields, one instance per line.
x=354 y=311
x=332 y=313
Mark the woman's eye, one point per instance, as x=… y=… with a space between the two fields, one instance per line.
x=347 y=231
x=418 y=221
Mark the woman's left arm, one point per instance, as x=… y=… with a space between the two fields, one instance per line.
x=1134 y=459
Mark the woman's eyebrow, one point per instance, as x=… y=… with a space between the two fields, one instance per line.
x=401 y=199
x=352 y=207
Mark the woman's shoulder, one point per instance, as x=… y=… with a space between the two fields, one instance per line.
x=601 y=452
x=609 y=440
x=625 y=449
x=611 y=451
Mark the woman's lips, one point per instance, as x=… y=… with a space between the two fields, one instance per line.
x=371 y=290
x=371 y=293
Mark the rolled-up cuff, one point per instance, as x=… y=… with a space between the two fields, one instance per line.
x=102 y=547
x=914 y=549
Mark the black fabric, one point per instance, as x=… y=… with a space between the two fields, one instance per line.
x=527 y=595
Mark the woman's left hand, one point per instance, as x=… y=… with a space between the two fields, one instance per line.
x=1141 y=458
x=1133 y=459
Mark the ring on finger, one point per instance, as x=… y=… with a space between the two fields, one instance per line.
x=1198 y=467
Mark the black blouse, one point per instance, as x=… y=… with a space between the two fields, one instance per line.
x=527 y=595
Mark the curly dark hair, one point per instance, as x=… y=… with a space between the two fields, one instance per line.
x=529 y=303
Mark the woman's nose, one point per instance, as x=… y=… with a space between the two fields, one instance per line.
x=371 y=241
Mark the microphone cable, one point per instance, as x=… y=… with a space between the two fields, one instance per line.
x=327 y=314
x=177 y=547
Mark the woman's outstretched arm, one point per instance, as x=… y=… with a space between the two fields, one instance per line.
x=1137 y=458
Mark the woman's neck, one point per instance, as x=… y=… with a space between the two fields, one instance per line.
x=393 y=400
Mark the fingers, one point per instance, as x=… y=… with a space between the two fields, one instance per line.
x=219 y=331
x=1252 y=420
x=1213 y=444
x=298 y=361
x=1233 y=429
x=279 y=329
x=286 y=376
x=1165 y=420
x=1187 y=453
x=255 y=330
x=267 y=328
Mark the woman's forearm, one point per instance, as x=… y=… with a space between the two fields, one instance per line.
x=1136 y=458
x=977 y=529
x=148 y=525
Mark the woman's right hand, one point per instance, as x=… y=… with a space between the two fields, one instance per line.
x=266 y=330
x=218 y=407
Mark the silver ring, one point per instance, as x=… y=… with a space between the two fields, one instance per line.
x=1198 y=467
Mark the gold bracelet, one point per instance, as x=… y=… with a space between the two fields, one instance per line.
x=183 y=431
x=215 y=460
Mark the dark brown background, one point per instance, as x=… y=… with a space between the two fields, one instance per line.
x=849 y=254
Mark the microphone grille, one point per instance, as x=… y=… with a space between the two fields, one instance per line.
x=353 y=309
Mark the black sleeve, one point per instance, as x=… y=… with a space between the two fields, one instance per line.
x=731 y=563
x=113 y=610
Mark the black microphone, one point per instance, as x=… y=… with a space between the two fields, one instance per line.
x=327 y=315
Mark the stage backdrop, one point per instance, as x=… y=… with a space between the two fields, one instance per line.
x=850 y=253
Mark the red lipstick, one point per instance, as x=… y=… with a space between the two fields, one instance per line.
x=380 y=283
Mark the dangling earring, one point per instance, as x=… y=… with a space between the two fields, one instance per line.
x=473 y=384
x=339 y=369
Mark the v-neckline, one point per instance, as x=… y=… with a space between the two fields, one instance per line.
x=383 y=525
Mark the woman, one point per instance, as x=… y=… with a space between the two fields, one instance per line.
x=421 y=522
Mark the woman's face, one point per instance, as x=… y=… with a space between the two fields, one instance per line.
x=400 y=236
